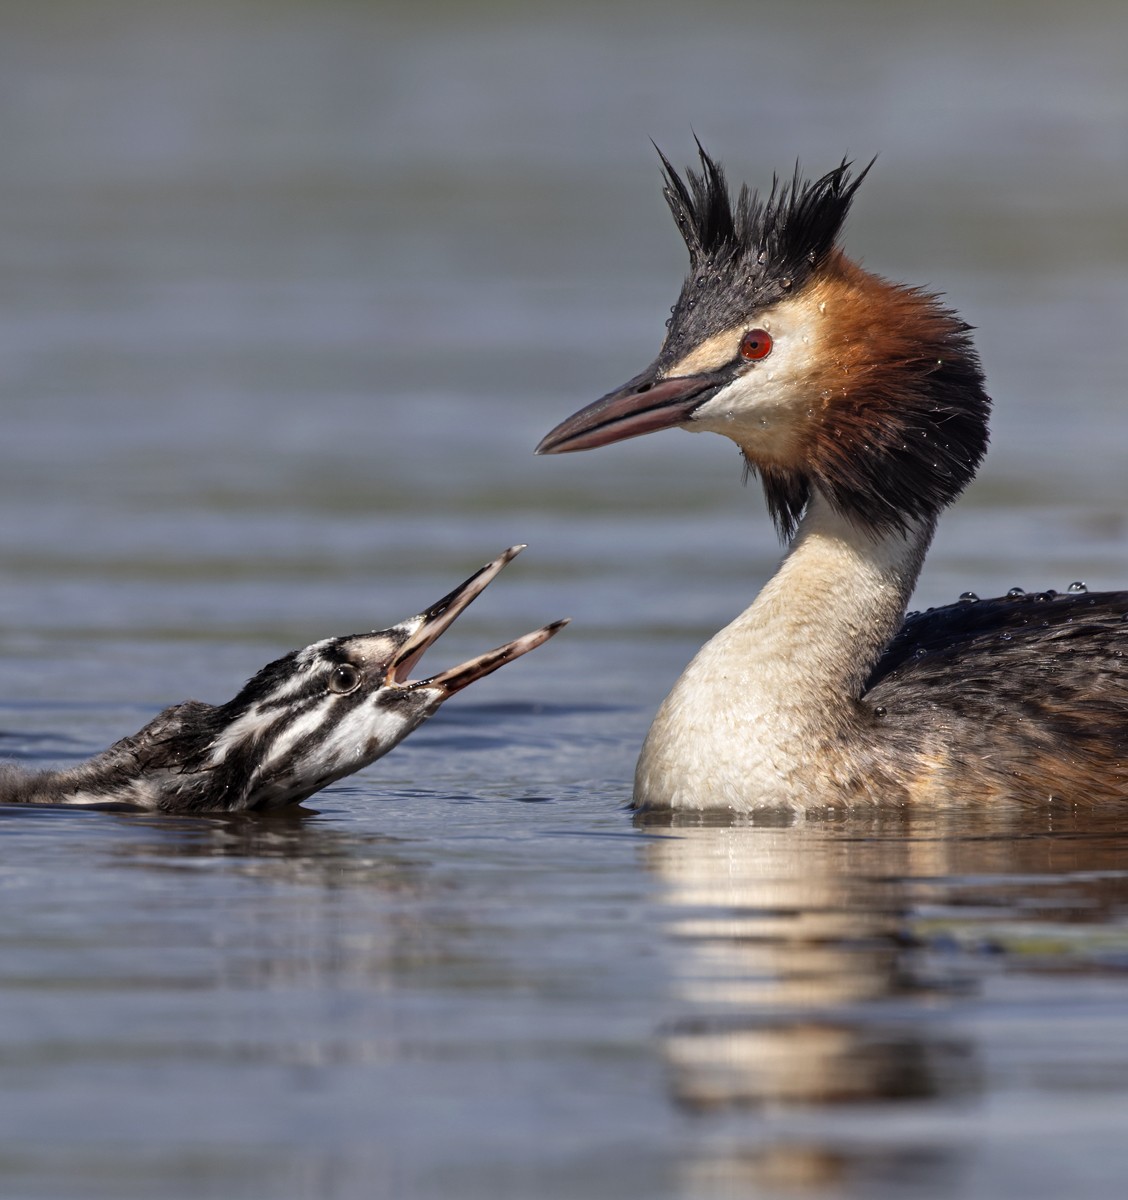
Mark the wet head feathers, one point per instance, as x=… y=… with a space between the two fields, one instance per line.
x=749 y=251
x=889 y=417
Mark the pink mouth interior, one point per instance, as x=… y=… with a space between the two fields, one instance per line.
x=401 y=672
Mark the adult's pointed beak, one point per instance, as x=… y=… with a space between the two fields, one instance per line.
x=441 y=615
x=640 y=406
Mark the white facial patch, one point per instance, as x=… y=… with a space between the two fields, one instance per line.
x=766 y=406
x=711 y=354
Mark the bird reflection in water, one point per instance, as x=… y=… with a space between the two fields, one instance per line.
x=824 y=970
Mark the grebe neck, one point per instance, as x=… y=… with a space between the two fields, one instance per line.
x=766 y=709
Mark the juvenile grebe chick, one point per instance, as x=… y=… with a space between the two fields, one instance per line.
x=860 y=405
x=302 y=722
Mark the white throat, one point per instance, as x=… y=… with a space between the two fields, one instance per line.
x=758 y=718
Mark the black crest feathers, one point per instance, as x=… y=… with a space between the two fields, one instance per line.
x=748 y=251
x=898 y=416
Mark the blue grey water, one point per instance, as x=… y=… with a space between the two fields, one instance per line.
x=288 y=292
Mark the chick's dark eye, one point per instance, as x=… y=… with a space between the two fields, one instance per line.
x=756 y=344
x=343 y=678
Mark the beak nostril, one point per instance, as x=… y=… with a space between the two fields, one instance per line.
x=643 y=387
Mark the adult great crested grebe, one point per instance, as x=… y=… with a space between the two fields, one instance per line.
x=860 y=405
x=301 y=723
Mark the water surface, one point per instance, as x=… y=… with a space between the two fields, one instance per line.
x=287 y=294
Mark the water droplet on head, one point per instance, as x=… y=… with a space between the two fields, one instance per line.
x=1004 y=636
x=879 y=711
x=920 y=652
x=968 y=598
x=1077 y=586
x=1015 y=592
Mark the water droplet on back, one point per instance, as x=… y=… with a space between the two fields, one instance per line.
x=968 y=598
x=1077 y=586
x=1015 y=592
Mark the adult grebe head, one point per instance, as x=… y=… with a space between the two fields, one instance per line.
x=829 y=378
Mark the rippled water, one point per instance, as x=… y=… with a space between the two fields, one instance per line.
x=287 y=294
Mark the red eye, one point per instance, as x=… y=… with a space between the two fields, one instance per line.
x=756 y=344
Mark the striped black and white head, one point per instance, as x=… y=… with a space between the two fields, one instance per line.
x=826 y=376
x=308 y=718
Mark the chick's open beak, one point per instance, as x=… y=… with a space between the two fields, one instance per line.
x=440 y=616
